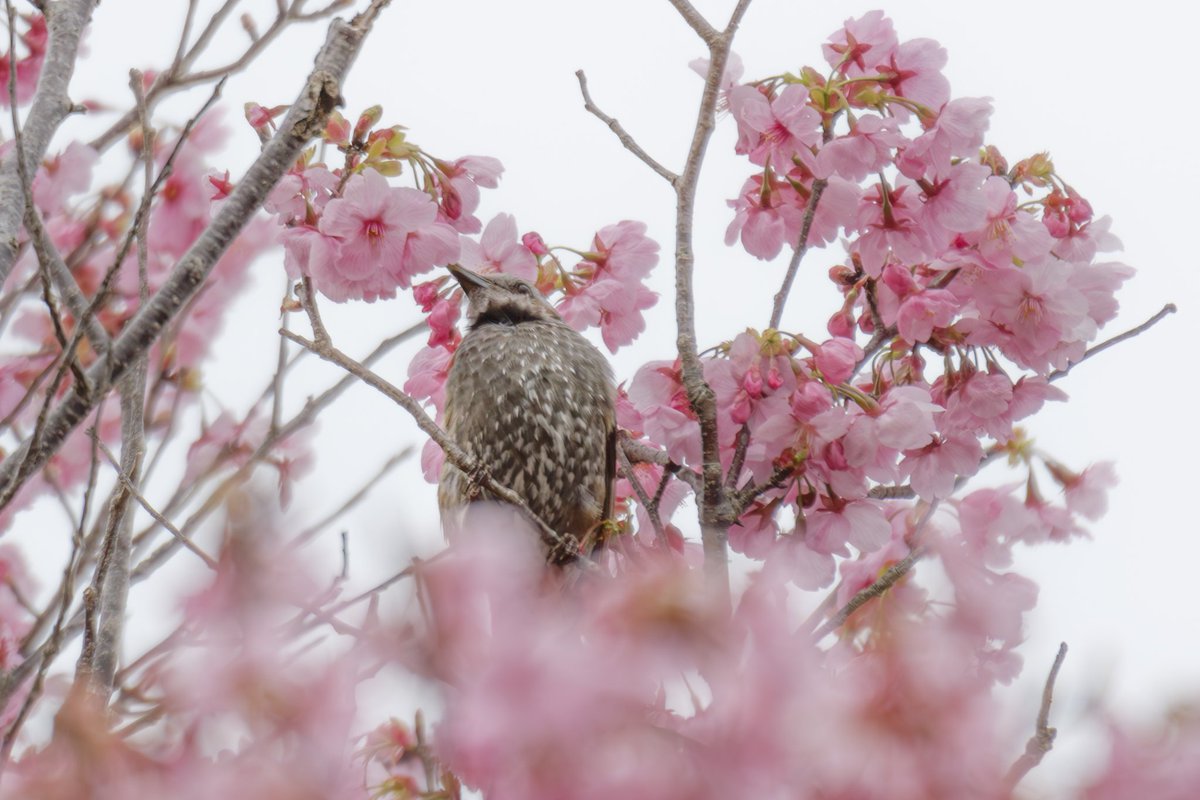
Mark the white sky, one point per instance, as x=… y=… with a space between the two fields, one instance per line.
x=1106 y=88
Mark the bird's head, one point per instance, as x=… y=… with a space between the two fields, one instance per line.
x=501 y=299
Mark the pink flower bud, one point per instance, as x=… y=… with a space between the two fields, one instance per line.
x=533 y=241
x=426 y=294
x=752 y=383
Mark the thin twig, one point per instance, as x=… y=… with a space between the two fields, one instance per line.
x=186 y=541
x=1169 y=308
x=1042 y=740
x=651 y=506
x=623 y=135
x=884 y=582
x=354 y=499
x=810 y=212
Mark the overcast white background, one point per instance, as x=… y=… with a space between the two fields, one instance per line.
x=1106 y=88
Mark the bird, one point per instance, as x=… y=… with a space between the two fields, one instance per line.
x=534 y=401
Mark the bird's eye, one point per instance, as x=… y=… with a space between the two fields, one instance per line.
x=525 y=288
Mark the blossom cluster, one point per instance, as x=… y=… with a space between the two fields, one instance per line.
x=966 y=285
x=355 y=236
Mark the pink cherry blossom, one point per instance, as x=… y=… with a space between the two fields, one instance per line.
x=383 y=229
x=958 y=132
x=920 y=313
x=1034 y=310
x=773 y=131
x=1087 y=491
x=864 y=150
x=460 y=189
x=623 y=251
x=861 y=44
x=889 y=217
x=536 y=245
x=913 y=71
x=657 y=393
x=858 y=522
x=956 y=201
x=837 y=358
x=427 y=375
x=499 y=251
x=763 y=221
x=1083 y=242
x=297 y=191
x=1010 y=233
x=750 y=386
x=933 y=469
x=306 y=251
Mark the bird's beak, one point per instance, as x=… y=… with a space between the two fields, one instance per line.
x=468 y=280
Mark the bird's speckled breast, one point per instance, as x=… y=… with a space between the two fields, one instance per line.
x=535 y=402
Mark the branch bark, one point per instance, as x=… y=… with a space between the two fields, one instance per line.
x=65 y=21
x=715 y=510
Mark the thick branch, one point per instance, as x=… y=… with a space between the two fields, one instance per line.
x=714 y=514
x=65 y=21
x=305 y=119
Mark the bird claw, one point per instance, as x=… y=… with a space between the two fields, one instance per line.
x=477 y=477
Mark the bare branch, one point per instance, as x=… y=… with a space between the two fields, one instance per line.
x=714 y=510
x=625 y=138
x=696 y=20
x=177 y=76
x=304 y=119
x=810 y=212
x=1043 y=737
x=650 y=505
x=318 y=526
x=1169 y=308
x=186 y=541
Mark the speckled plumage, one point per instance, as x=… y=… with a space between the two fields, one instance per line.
x=533 y=400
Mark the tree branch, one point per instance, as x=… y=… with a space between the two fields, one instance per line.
x=304 y=120
x=65 y=21
x=714 y=511
x=1163 y=312
x=884 y=582
x=697 y=22
x=798 y=253
x=625 y=138
x=1042 y=740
